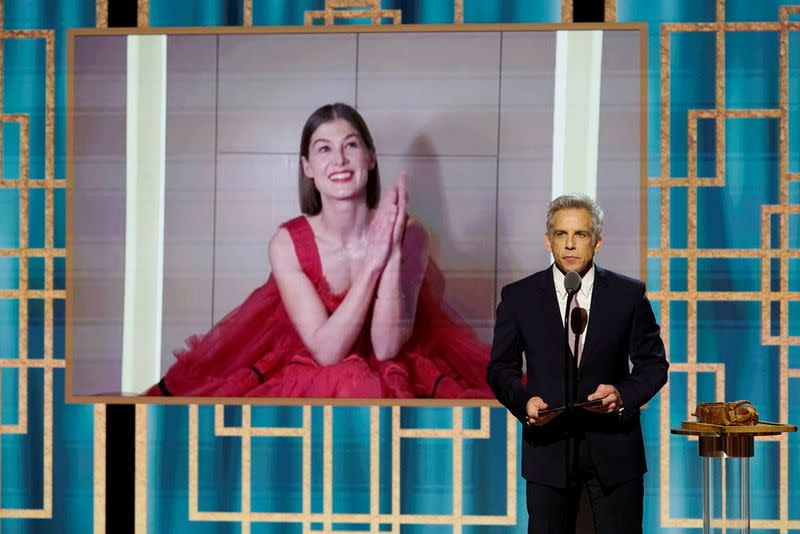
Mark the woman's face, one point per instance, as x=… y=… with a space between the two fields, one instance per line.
x=338 y=160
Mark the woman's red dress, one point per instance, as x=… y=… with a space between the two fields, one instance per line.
x=255 y=350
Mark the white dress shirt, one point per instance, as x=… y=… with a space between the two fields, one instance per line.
x=584 y=294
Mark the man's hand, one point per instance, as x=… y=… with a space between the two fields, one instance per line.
x=612 y=402
x=535 y=404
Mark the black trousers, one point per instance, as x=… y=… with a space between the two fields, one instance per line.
x=616 y=510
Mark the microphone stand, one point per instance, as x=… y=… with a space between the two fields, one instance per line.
x=578 y=326
x=568 y=408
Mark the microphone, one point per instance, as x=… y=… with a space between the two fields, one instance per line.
x=572 y=282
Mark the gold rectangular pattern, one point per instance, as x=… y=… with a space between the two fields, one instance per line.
x=664 y=252
x=351 y=9
x=23 y=252
x=246 y=432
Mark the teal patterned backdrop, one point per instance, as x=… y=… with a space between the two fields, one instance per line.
x=723 y=273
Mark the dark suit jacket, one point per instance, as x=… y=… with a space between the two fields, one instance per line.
x=621 y=325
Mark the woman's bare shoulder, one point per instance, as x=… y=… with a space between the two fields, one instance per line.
x=281 y=251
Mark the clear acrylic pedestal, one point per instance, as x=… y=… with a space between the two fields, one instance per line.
x=718 y=441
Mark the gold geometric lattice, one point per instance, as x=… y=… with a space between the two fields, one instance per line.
x=372 y=8
x=246 y=432
x=101 y=14
x=23 y=253
x=566 y=10
x=692 y=253
x=458 y=11
x=665 y=295
x=247 y=13
x=610 y=13
x=351 y=9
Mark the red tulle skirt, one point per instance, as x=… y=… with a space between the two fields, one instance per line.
x=255 y=350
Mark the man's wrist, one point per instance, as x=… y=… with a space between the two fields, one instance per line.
x=620 y=403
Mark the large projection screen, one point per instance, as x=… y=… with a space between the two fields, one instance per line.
x=490 y=123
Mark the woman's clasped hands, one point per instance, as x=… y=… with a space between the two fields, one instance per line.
x=385 y=235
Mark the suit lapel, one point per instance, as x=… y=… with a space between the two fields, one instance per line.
x=601 y=305
x=553 y=321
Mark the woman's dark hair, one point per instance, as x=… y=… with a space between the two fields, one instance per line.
x=310 y=201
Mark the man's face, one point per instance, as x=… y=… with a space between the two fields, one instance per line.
x=570 y=240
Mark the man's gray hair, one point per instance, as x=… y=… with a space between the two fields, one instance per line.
x=577 y=201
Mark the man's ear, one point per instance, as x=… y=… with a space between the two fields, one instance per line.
x=598 y=244
x=547 y=244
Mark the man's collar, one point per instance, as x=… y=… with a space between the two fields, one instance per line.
x=586 y=282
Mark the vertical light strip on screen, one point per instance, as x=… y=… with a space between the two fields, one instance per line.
x=576 y=113
x=144 y=211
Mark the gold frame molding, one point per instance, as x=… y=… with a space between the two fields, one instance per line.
x=355 y=29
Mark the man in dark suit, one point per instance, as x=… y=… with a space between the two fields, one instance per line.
x=622 y=364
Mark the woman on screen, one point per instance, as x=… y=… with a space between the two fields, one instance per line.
x=351 y=308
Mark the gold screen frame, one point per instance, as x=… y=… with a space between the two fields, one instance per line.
x=332 y=29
